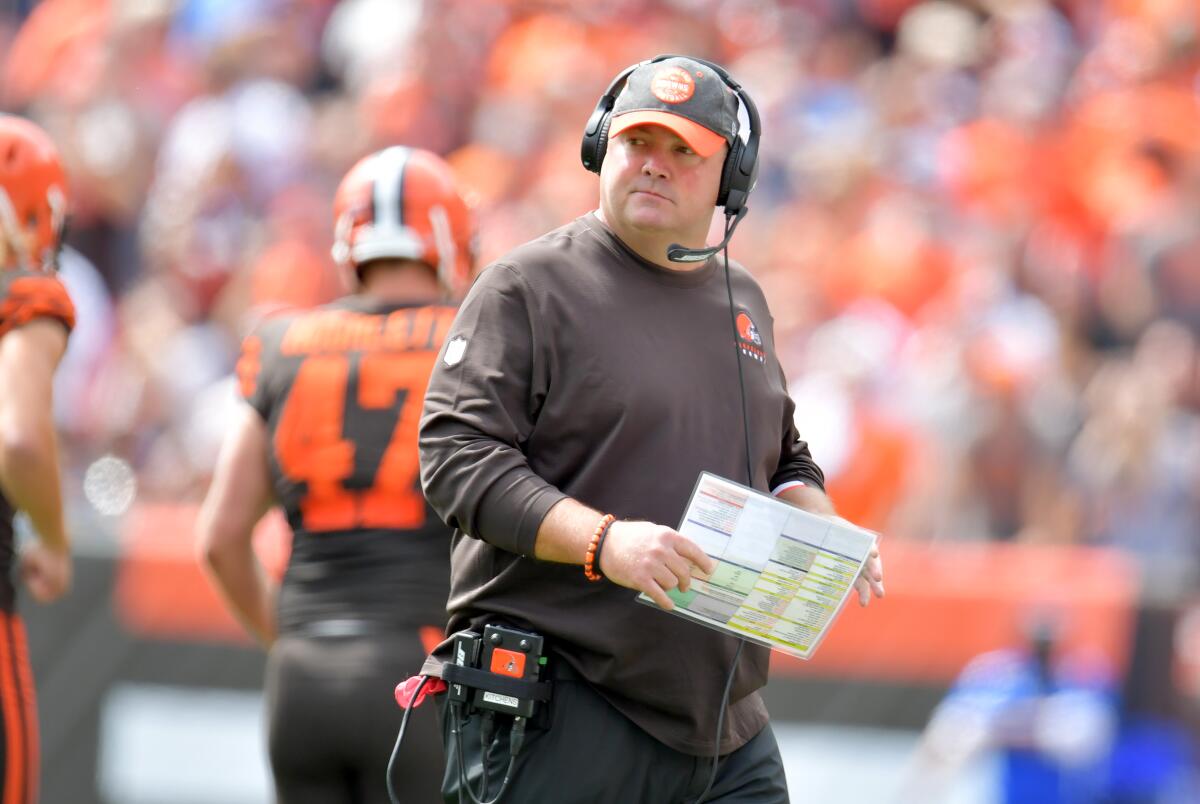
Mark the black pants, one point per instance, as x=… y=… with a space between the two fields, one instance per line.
x=333 y=719
x=586 y=752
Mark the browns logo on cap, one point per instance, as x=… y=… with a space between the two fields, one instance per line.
x=682 y=95
x=673 y=85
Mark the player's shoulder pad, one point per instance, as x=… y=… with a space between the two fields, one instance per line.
x=26 y=296
x=260 y=347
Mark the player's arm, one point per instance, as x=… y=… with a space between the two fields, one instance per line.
x=237 y=499
x=29 y=470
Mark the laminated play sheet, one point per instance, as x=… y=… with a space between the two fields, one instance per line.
x=782 y=573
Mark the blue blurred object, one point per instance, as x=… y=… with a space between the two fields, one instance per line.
x=1052 y=717
x=1151 y=762
x=205 y=24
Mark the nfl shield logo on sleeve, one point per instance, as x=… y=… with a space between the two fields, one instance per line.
x=454 y=351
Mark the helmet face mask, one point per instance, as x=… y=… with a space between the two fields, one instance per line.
x=402 y=203
x=33 y=196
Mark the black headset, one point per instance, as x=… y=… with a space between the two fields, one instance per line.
x=741 y=163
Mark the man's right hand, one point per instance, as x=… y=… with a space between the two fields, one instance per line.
x=653 y=559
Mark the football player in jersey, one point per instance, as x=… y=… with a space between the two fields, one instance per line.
x=330 y=432
x=36 y=316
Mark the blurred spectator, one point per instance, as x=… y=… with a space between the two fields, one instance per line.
x=1051 y=715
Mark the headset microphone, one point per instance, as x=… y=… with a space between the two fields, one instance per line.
x=677 y=253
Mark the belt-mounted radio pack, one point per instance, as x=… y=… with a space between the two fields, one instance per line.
x=498 y=672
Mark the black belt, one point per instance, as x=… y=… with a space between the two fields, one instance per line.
x=342 y=628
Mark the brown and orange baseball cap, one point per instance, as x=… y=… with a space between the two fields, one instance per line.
x=683 y=95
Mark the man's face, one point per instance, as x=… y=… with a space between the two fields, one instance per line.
x=652 y=182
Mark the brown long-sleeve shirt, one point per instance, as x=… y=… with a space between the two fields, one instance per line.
x=576 y=368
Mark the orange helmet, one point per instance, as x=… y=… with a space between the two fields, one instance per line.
x=33 y=194
x=403 y=203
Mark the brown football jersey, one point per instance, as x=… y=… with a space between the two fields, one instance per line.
x=24 y=296
x=341 y=391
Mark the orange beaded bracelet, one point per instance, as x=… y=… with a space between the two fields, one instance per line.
x=589 y=565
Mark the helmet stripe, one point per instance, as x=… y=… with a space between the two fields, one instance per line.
x=388 y=192
x=443 y=238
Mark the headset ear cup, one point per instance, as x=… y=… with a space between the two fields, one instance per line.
x=593 y=146
x=729 y=172
x=596 y=128
x=602 y=141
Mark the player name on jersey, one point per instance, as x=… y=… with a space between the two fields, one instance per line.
x=344 y=331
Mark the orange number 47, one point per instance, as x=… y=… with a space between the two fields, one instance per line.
x=311 y=447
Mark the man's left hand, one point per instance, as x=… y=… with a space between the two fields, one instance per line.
x=870 y=580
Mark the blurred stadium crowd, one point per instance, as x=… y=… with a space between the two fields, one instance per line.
x=978 y=223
